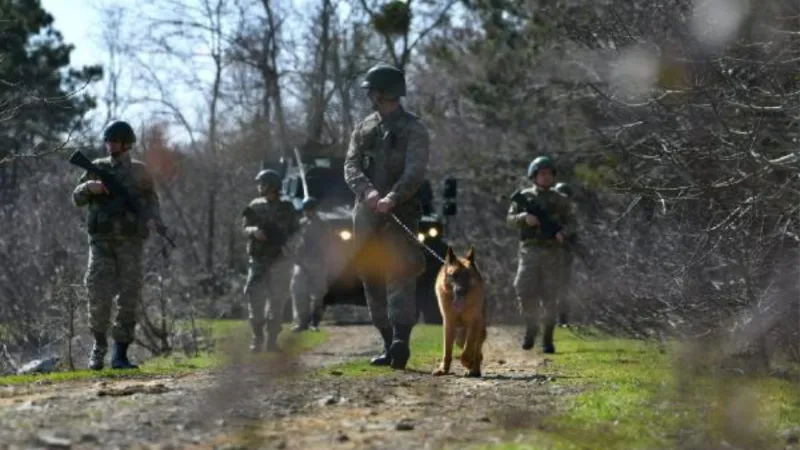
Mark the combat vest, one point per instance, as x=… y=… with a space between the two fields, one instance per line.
x=385 y=145
x=108 y=215
x=547 y=201
x=276 y=219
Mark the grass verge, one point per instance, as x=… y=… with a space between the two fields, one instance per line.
x=177 y=364
x=634 y=397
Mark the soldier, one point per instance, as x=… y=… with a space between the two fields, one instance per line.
x=116 y=243
x=309 y=281
x=567 y=299
x=542 y=259
x=267 y=222
x=385 y=167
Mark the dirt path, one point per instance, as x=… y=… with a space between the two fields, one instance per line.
x=206 y=411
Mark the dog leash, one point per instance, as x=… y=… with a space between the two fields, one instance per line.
x=414 y=238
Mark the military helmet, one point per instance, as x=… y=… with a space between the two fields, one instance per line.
x=540 y=163
x=385 y=78
x=310 y=203
x=269 y=177
x=563 y=188
x=119 y=131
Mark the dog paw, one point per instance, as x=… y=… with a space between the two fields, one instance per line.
x=440 y=371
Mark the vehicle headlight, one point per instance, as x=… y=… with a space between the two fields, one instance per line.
x=421 y=237
x=433 y=232
x=345 y=235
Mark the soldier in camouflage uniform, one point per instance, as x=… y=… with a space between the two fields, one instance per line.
x=267 y=222
x=566 y=300
x=542 y=266
x=309 y=283
x=116 y=244
x=385 y=167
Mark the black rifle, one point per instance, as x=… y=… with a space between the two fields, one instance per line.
x=548 y=228
x=114 y=188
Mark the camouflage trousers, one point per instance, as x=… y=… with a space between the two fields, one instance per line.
x=540 y=283
x=266 y=292
x=308 y=287
x=388 y=264
x=114 y=271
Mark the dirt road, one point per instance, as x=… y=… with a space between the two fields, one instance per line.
x=246 y=406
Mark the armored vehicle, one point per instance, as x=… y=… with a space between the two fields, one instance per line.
x=325 y=179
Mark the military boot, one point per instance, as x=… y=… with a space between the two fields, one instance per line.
x=316 y=318
x=119 y=358
x=384 y=359
x=530 y=337
x=400 y=350
x=257 y=340
x=272 y=342
x=99 y=350
x=547 y=341
x=302 y=324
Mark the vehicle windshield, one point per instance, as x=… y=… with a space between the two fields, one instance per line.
x=328 y=186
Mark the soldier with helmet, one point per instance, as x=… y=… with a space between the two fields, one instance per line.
x=309 y=283
x=566 y=300
x=385 y=167
x=541 y=274
x=267 y=222
x=116 y=244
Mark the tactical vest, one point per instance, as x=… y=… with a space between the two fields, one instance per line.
x=108 y=215
x=274 y=220
x=548 y=202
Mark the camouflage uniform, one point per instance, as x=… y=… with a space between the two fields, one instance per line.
x=542 y=270
x=268 y=268
x=116 y=243
x=389 y=154
x=309 y=282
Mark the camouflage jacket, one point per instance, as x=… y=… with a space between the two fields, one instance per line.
x=557 y=206
x=108 y=217
x=277 y=219
x=388 y=154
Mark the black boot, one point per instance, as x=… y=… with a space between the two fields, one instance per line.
x=547 y=342
x=384 y=359
x=119 y=358
x=257 y=341
x=272 y=341
x=316 y=318
x=99 y=350
x=302 y=324
x=530 y=337
x=400 y=350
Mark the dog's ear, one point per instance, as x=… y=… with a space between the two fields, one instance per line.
x=450 y=258
x=471 y=255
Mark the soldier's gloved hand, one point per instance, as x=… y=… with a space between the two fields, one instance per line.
x=96 y=187
x=385 y=205
x=531 y=220
x=371 y=199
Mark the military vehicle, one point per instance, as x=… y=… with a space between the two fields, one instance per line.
x=325 y=179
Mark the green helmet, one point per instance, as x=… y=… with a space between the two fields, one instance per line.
x=387 y=79
x=310 y=203
x=540 y=163
x=269 y=177
x=119 y=131
x=563 y=188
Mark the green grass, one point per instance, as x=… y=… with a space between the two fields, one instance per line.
x=632 y=399
x=426 y=353
x=177 y=364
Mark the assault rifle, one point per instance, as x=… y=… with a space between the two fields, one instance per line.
x=115 y=188
x=548 y=228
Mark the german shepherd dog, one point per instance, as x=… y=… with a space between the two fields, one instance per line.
x=460 y=292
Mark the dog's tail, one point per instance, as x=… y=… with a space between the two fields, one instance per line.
x=461 y=336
